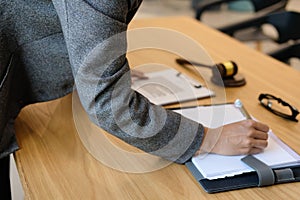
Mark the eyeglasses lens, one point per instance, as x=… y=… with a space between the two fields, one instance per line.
x=276 y=106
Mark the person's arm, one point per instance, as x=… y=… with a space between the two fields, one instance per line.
x=95 y=34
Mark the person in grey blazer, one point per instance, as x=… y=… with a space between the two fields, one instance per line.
x=48 y=46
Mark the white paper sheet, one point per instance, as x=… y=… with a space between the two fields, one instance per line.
x=168 y=86
x=214 y=166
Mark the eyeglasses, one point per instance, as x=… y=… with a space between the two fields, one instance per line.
x=278 y=107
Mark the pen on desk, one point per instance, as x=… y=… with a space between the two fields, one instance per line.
x=190 y=80
x=249 y=159
x=194 y=106
x=238 y=104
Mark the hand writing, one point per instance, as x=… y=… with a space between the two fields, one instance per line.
x=245 y=137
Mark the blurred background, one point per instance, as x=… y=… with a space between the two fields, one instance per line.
x=235 y=12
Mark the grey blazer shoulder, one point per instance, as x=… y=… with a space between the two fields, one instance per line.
x=44 y=44
x=34 y=63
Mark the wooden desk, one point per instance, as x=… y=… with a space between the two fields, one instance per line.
x=53 y=164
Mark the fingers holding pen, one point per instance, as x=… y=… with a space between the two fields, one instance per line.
x=254 y=137
x=259 y=126
x=256 y=129
x=244 y=137
x=253 y=145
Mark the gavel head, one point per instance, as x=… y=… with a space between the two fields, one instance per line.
x=225 y=69
x=226 y=74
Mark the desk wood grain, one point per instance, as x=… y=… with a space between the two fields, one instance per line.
x=53 y=163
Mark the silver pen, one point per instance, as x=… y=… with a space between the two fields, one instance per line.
x=238 y=104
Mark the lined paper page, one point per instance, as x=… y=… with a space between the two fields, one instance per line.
x=214 y=166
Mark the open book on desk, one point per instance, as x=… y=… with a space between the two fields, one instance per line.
x=169 y=86
x=217 y=173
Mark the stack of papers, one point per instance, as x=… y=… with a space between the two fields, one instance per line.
x=170 y=86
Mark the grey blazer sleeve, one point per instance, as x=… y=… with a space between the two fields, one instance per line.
x=95 y=34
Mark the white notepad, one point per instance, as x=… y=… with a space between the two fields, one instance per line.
x=170 y=86
x=213 y=166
